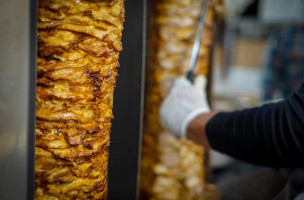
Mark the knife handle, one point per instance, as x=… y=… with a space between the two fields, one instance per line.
x=190 y=76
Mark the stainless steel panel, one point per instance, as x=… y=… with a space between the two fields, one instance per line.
x=17 y=98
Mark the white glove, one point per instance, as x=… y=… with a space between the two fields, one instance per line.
x=183 y=104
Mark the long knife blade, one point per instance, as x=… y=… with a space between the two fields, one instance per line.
x=197 y=42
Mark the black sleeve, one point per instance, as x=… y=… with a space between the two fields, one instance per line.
x=271 y=135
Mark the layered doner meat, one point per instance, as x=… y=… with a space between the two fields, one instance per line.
x=78 y=48
x=172 y=168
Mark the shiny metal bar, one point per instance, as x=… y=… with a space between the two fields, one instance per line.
x=17 y=98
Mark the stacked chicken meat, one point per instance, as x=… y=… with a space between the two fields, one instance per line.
x=78 y=48
x=172 y=168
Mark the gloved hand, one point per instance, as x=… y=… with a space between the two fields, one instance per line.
x=183 y=104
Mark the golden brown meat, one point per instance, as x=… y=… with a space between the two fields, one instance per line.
x=78 y=48
x=172 y=168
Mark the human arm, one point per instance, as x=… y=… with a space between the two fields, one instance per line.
x=196 y=130
x=270 y=135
